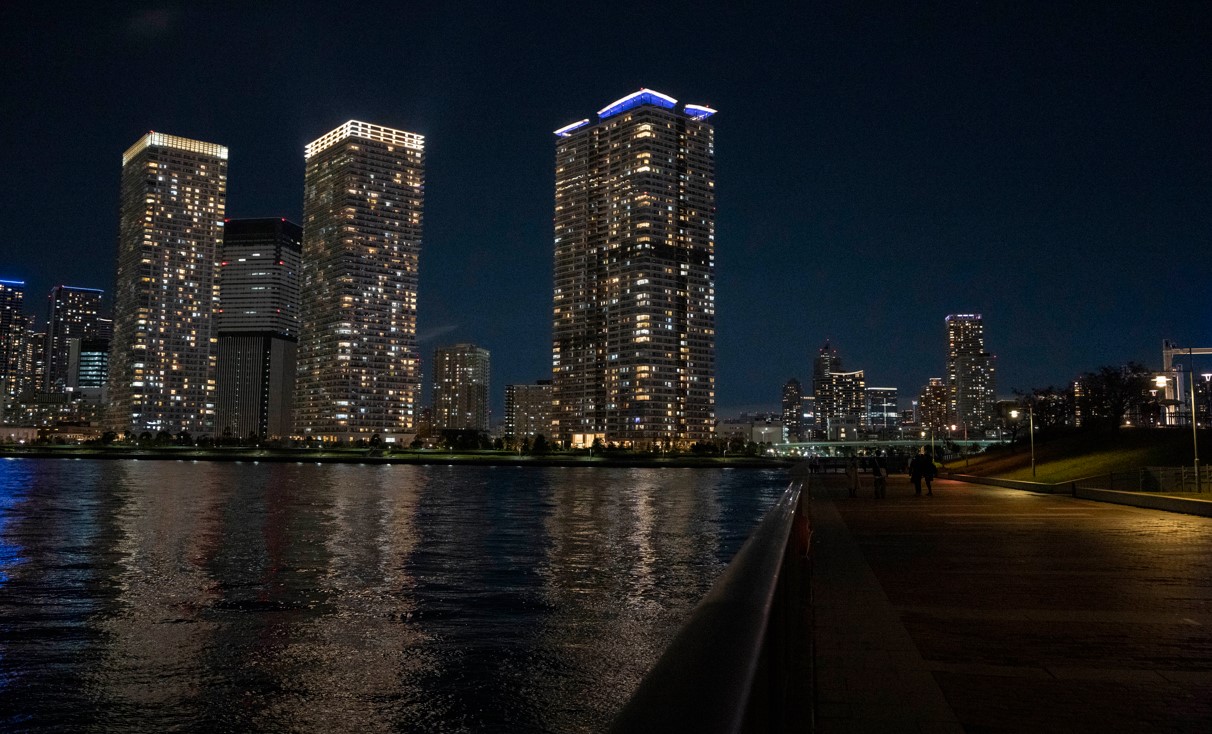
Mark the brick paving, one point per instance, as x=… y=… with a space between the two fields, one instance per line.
x=988 y=609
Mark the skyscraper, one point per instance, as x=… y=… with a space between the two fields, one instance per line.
x=633 y=347
x=258 y=326
x=841 y=401
x=932 y=406
x=970 y=374
x=162 y=358
x=14 y=325
x=883 y=413
x=793 y=409
x=827 y=360
x=528 y=410
x=358 y=372
x=72 y=313
x=460 y=388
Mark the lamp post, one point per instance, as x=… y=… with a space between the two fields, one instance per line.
x=1030 y=430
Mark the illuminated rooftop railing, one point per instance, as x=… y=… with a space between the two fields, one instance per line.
x=635 y=99
x=162 y=140
x=365 y=131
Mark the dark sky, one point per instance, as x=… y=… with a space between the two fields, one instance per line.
x=879 y=166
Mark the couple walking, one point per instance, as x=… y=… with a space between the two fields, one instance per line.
x=922 y=467
x=879 y=471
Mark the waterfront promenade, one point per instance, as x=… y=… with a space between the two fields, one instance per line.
x=989 y=609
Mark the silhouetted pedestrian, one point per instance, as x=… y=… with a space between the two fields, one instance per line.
x=852 y=476
x=922 y=467
x=879 y=470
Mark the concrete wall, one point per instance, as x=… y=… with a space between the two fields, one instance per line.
x=1202 y=508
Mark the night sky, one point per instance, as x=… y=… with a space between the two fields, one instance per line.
x=879 y=166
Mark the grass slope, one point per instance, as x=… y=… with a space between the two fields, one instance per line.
x=1065 y=457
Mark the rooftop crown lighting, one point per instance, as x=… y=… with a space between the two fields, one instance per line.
x=161 y=140
x=635 y=99
x=366 y=131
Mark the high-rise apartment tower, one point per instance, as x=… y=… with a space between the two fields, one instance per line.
x=460 y=388
x=14 y=327
x=258 y=326
x=528 y=410
x=72 y=313
x=793 y=409
x=358 y=371
x=162 y=359
x=633 y=349
x=970 y=374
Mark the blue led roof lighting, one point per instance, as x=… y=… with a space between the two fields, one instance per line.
x=13 y=282
x=699 y=112
x=568 y=129
x=635 y=99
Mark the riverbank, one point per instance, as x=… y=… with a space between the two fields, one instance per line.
x=373 y=456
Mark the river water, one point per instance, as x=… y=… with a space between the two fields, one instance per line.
x=196 y=596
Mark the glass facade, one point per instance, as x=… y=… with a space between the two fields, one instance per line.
x=258 y=326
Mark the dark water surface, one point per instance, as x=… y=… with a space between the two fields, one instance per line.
x=194 y=596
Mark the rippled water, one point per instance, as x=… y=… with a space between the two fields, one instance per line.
x=154 y=596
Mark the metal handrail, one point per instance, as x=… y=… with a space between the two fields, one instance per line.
x=734 y=665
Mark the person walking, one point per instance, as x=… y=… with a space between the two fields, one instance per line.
x=922 y=467
x=879 y=469
x=852 y=476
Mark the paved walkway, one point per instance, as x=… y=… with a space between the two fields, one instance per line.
x=987 y=609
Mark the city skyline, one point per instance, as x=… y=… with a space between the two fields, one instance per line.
x=1042 y=166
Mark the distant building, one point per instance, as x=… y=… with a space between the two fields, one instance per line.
x=258 y=326
x=88 y=368
x=527 y=410
x=841 y=402
x=72 y=313
x=882 y=414
x=633 y=308
x=34 y=373
x=460 y=388
x=764 y=428
x=14 y=325
x=358 y=368
x=827 y=360
x=971 y=392
x=932 y=406
x=793 y=409
x=162 y=357
x=808 y=413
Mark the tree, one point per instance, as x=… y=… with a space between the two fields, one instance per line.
x=1109 y=395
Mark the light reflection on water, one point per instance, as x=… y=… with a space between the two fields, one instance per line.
x=146 y=595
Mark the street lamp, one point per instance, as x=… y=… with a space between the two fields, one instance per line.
x=1030 y=430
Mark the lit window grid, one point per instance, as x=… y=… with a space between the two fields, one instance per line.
x=162 y=362
x=358 y=371
x=635 y=236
